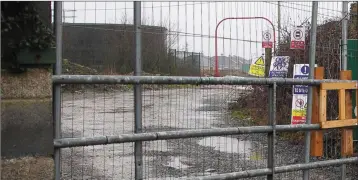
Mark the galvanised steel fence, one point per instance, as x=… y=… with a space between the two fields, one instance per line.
x=243 y=139
x=187 y=127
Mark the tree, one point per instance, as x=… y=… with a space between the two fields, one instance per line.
x=22 y=27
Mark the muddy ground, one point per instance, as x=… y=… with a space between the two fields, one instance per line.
x=97 y=113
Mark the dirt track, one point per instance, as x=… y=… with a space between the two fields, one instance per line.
x=94 y=114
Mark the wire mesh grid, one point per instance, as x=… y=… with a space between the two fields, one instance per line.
x=96 y=111
x=178 y=39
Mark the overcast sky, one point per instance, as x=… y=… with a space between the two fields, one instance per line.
x=200 y=18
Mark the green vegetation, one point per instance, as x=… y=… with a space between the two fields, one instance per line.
x=69 y=67
x=22 y=28
x=244 y=117
x=240 y=114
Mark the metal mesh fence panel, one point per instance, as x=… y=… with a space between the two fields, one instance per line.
x=178 y=39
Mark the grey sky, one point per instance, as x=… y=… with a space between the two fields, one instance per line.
x=201 y=18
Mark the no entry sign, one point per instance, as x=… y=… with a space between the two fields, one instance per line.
x=298 y=38
x=267 y=39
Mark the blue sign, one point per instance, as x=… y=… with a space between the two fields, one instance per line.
x=300 y=89
x=305 y=69
x=274 y=74
x=279 y=66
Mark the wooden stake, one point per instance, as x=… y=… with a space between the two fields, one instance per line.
x=347 y=133
x=316 y=136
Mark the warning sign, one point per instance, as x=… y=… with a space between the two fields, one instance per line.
x=256 y=70
x=267 y=39
x=258 y=67
x=299 y=106
x=260 y=61
x=299 y=94
x=301 y=113
x=298 y=38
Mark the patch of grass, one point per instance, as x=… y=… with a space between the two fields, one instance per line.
x=244 y=117
x=256 y=156
x=240 y=114
x=72 y=68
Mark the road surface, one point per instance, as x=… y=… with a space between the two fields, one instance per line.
x=112 y=113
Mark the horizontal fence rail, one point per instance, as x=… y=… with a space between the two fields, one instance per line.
x=281 y=169
x=100 y=140
x=109 y=79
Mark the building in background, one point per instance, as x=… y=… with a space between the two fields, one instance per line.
x=111 y=46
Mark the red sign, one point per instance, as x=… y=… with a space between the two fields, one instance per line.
x=267 y=44
x=298 y=38
x=267 y=39
x=297 y=45
x=298 y=120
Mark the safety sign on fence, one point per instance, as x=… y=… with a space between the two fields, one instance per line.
x=299 y=94
x=258 y=67
x=298 y=38
x=300 y=71
x=299 y=106
x=267 y=39
x=279 y=66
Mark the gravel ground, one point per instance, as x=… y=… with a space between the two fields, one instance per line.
x=95 y=113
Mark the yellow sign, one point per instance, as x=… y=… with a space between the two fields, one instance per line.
x=257 y=70
x=299 y=112
x=260 y=61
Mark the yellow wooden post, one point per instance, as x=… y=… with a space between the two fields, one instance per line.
x=347 y=133
x=316 y=149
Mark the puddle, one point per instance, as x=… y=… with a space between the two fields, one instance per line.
x=227 y=145
x=175 y=162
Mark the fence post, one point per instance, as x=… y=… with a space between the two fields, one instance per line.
x=271 y=135
x=312 y=58
x=344 y=67
x=346 y=133
x=138 y=156
x=278 y=27
x=268 y=56
x=316 y=136
x=57 y=87
x=344 y=34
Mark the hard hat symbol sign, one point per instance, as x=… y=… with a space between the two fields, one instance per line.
x=297 y=34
